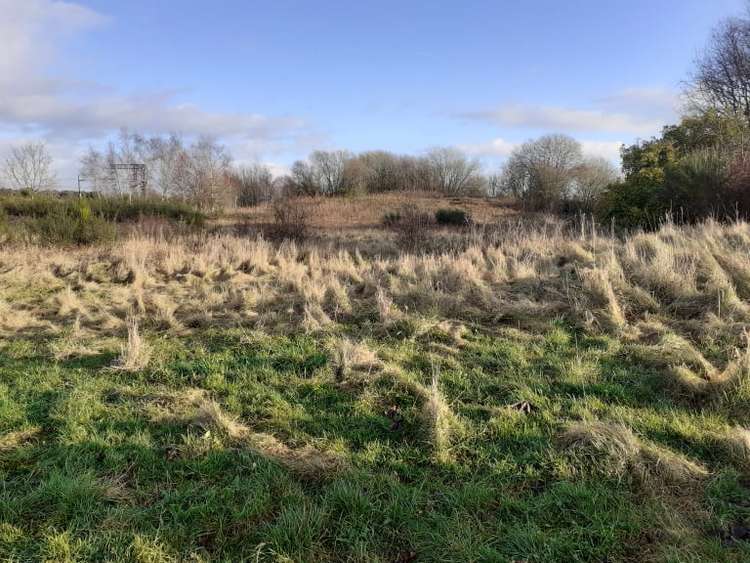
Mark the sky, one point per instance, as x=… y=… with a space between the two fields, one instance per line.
x=276 y=79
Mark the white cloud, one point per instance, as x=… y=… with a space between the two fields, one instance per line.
x=32 y=29
x=498 y=149
x=635 y=111
x=494 y=148
x=606 y=149
x=70 y=113
x=655 y=102
x=551 y=118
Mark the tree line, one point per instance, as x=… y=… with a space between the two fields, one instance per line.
x=202 y=172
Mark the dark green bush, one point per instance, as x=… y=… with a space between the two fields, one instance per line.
x=698 y=186
x=631 y=204
x=63 y=226
x=391 y=218
x=452 y=216
x=115 y=208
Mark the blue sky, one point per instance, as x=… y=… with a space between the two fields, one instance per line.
x=275 y=79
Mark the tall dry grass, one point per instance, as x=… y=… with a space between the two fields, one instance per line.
x=673 y=292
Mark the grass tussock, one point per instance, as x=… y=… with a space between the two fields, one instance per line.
x=12 y=440
x=194 y=407
x=614 y=449
x=135 y=355
x=439 y=420
x=349 y=357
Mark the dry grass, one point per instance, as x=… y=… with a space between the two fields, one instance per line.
x=137 y=353
x=349 y=357
x=367 y=211
x=615 y=448
x=439 y=420
x=195 y=408
x=12 y=440
x=667 y=294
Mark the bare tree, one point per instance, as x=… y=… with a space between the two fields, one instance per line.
x=163 y=157
x=100 y=169
x=303 y=179
x=197 y=173
x=722 y=76
x=206 y=179
x=542 y=172
x=253 y=184
x=452 y=172
x=592 y=178
x=494 y=185
x=330 y=169
x=29 y=167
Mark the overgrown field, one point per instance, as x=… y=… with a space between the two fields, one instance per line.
x=541 y=396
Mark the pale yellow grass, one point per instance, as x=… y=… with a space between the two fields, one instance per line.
x=668 y=293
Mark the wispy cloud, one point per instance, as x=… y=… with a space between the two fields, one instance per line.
x=638 y=112
x=550 y=118
x=494 y=148
x=70 y=112
x=500 y=148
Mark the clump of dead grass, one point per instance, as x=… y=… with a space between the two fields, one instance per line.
x=195 y=408
x=617 y=451
x=439 y=420
x=135 y=355
x=12 y=440
x=348 y=357
x=73 y=344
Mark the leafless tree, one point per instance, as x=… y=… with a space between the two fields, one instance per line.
x=592 y=178
x=494 y=184
x=163 y=157
x=542 y=172
x=98 y=168
x=452 y=172
x=722 y=76
x=253 y=184
x=303 y=179
x=29 y=167
x=205 y=174
x=198 y=173
x=330 y=168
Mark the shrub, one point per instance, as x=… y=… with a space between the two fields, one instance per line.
x=631 y=204
x=391 y=218
x=122 y=209
x=111 y=208
x=4 y=227
x=70 y=226
x=697 y=185
x=412 y=227
x=452 y=216
x=290 y=220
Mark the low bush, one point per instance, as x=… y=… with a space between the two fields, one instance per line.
x=391 y=218
x=290 y=220
x=112 y=208
x=77 y=226
x=412 y=227
x=452 y=216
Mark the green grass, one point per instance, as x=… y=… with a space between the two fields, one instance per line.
x=98 y=478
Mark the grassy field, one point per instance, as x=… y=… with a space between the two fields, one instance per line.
x=535 y=395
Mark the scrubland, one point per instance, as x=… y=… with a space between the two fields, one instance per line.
x=521 y=392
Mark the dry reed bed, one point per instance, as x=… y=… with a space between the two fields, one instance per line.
x=671 y=294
